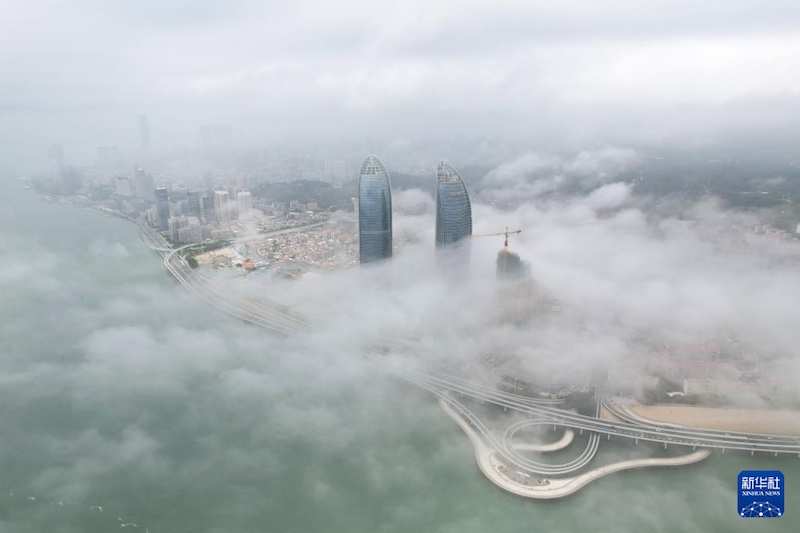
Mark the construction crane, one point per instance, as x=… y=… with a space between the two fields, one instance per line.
x=505 y=233
x=504 y=256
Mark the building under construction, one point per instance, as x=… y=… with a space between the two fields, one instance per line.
x=519 y=297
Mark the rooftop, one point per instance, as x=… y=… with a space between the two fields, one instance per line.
x=372 y=166
x=447 y=174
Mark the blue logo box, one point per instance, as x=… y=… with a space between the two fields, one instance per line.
x=761 y=494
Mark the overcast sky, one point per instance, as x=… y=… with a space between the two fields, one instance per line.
x=80 y=72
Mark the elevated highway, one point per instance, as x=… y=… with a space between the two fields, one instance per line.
x=497 y=471
x=269 y=315
x=505 y=447
x=751 y=442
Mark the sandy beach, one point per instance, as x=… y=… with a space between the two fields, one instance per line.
x=744 y=420
x=606 y=415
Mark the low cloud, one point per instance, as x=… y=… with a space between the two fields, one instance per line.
x=140 y=384
x=534 y=176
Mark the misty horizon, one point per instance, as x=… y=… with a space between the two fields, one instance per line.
x=579 y=77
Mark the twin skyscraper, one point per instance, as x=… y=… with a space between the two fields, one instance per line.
x=453 y=209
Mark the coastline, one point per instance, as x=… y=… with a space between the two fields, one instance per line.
x=723 y=419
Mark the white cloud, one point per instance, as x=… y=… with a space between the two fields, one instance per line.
x=609 y=196
x=700 y=71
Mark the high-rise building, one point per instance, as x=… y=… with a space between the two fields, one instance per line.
x=175 y=223
x=144 y=133
x=162 y=208
x=177 y=207
x=244 y=203
x=190 y=231
x=453 y=208
x=193 y=208
x=209 y=216
x=143 y=183
x=185 y=229
x=510 y=267
x=221 y=207
x=519 y=296
x=514 y=288
x=374 y=211
x=233 y=213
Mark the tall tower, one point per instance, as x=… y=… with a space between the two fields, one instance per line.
x=453 y=208
x=515 y=296
x=519 y=296
x=162 y=208
x=374 y=211
x=193 y=207
x=221 y=207
x=144 y=133
x=510 y=267
x=244 y=203
x=209 y=216
x=143 y=183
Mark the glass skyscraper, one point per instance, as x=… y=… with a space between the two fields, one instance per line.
x=374 y=211
x=453 y=209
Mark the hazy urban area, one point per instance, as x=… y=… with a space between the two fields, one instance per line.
x=446 y=267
